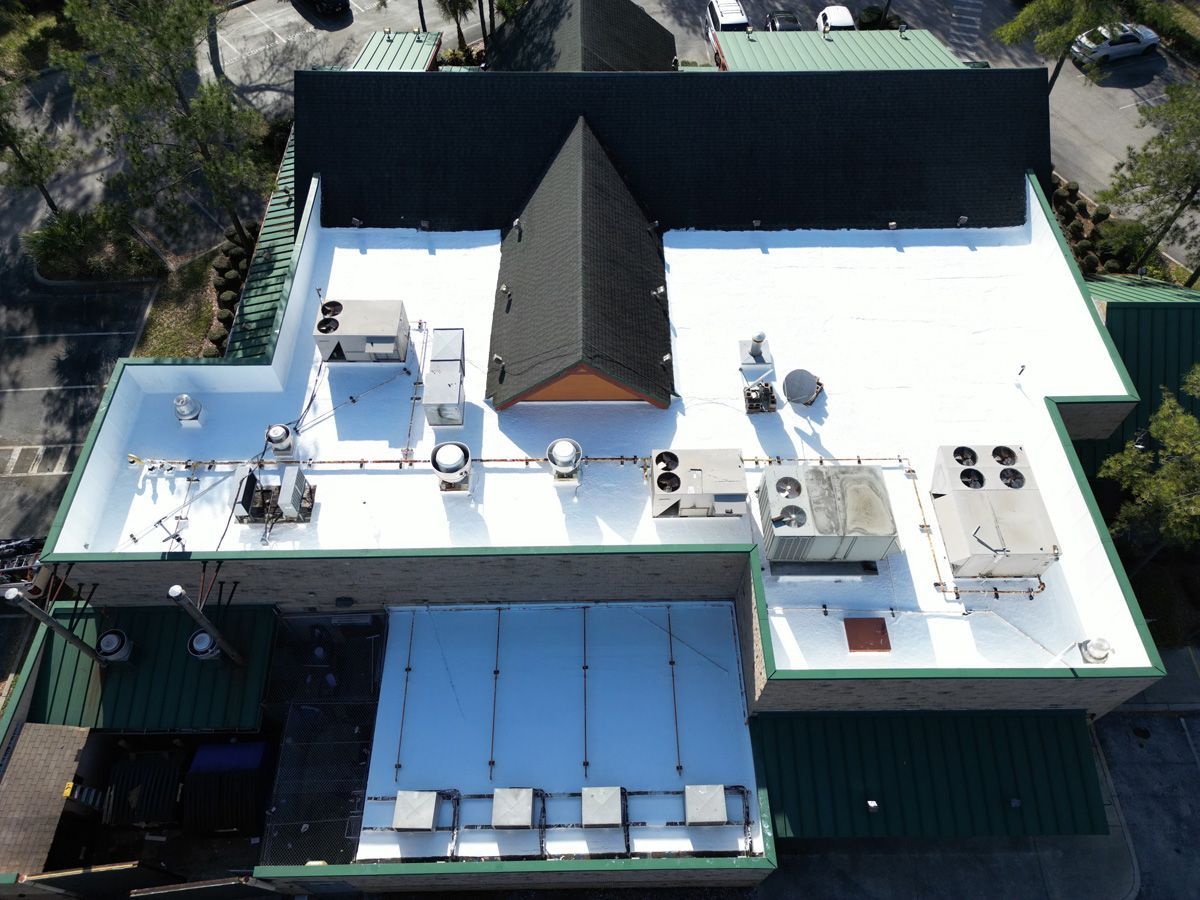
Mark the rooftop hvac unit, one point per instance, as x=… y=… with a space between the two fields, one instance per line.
x=442 y=398
x=816 y=513
x=990 y=512
x=362 y=331
x=697 y=483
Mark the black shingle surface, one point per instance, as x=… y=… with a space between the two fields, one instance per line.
x=793 y=150
x=581 y=36
x=578 y=273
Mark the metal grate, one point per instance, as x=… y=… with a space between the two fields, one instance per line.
x=316 y=804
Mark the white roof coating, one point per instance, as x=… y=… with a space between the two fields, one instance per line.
x=450 y=724
x=922 y=339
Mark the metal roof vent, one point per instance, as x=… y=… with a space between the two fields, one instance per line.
x=802 y=386
x=1096 y=650
x=565 y=457
x=452 y=464
x=203 y=646
x=188 y=410
x=281 y=442
x=114 y=646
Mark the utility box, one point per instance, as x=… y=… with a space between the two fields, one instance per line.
x=442 y=400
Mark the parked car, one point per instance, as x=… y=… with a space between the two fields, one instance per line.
x=782 y=20
x=330 y=7
x=723 y=15
x=1109 y=42
x=835 y=18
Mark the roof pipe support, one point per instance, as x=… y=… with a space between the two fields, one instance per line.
x=18 y=599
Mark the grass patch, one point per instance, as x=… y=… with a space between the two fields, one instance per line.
x=182 y=313
x=28 y=31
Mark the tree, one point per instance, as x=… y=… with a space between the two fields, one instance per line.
x=1054 y=24
x=136 y=78
x=1161 y=181
x=458 y=10
x=1161 y=480
x=32 y=156
x=509 y=8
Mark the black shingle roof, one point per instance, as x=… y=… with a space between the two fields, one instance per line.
x=578 y=273
x=581 y=36
x=793 y=150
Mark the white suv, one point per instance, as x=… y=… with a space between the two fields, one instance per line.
x=723 y=15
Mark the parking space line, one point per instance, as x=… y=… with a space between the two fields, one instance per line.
x=1140 y=102
x=228 y=43
x=356 y=6
x=278 y=36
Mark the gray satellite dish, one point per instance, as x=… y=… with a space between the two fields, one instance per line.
x=802 y=386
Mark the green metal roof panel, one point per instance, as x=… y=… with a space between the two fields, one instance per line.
x=810 y=51
x=932 y=774
x=406 y=51
x=162 y=687
x=1157 y=333
x=260 y=310
x=1131 y=289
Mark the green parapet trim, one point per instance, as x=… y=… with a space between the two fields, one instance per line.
x=760 y=608
x=765 y=819
x=24 y=681
x=400 y=553
x=9 y=877
x=513 y=867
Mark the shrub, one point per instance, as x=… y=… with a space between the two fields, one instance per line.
x=1112 y=266
x=1084 y=247
x=1060 y=198
x=1101 y=214
x=226 y=246
x=1090 y=263
x=243 y=266
x=98 y=243
x=225 y=318
x=1123 y=240
x=227 y=299
x=237 y=254
x=1075 y=229
x=1072 y=190
x=221 y=263
x=210 y=352
x=233 y=280
x=1081 y=208
x=218 y=334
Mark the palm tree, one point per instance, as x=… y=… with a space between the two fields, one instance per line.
x=458 y=10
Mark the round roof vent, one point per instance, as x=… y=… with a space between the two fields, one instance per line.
x=1012 y=478
x=1096 y=650
x=965 y=456
x=451 y=461
x=202 y=645
x=1004 y=455
x=564 y=456
x=972 y=478
x=114 y=645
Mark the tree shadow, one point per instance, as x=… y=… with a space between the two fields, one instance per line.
x=308 y=12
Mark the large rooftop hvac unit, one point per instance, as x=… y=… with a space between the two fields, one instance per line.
x=990 y=512
x=821 y=513
x=362 y=331
x=697 y=483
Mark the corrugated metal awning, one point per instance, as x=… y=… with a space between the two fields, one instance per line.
x=929 y=774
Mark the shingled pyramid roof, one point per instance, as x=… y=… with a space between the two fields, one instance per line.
x=581 y=36
x=578 y=272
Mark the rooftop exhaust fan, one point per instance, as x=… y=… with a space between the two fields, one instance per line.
x=281 y=442
x=565 y=457
x=188 y=410
x=114 y=646
x=452 y=464
x=203 y=646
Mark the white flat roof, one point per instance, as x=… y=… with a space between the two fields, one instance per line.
x=922 y=338
x=491 y=698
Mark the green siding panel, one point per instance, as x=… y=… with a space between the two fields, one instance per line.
x=933 y=774
x=810 y=51
x=161 y=688
x=1156 y=330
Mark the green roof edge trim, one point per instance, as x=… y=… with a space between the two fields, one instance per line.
x=9 y=877
x=515 y=866
x=26 y=679
x=1156 y=668
x=89 y=443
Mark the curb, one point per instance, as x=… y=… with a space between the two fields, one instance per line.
x=68 y=286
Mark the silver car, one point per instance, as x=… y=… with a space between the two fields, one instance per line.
x=1109 y=42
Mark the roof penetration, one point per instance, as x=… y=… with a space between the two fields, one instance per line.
x=582 y=36
x=160 y=687
x=929 y=774
x=578 y=285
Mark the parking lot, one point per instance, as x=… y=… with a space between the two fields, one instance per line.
x=56 y=355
